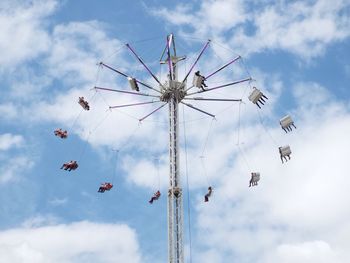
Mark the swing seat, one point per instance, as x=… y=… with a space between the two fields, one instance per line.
x=285 y=151
x=61 y=134
x=83 y=103
x=255 y=177
x=133 y=84
x=105 y=187
x=286 y=121
x=198 y=81
x=255 y=95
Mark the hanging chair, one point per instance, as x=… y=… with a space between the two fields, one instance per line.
x=198 y=80
x=133 y=84
x=287 y=123
x=256 y=97
x=83 y=103
x=254 y=179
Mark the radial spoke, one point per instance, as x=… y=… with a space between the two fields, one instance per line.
x=200 y=54
x=143 y=63
x=152 y=112
x=190 y=88
x=133 y=104
x=127 y=92
x=210 y=99
x=113 y=69
x=221 y=86
x=224 y=66
x=195 y=108
x=125 y=75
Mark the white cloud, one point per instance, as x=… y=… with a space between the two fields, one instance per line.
x=76 y=48
x=303 y=28
x=212 y=16
x=67 y=54
x=8 y=141
x=11 y=168
x=40 y=221
x=8 y=111
x=58 y=201
x=24 y=34
x=76 y=242
x=306 y=252
x=146 y=172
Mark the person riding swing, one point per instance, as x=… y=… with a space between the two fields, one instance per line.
x=155 y=196
x=208 y=194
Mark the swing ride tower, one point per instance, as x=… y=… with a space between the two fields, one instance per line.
x=173 y=92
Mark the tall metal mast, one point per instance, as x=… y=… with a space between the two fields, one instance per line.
x=173 y=92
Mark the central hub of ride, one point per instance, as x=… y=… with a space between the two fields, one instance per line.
x=174 y=89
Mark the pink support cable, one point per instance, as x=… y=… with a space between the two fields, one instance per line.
x=132 y=104
x=224 y=66
x=221 y=86
x=113 y=69
x=127 y=92
x=200 y=54
x=153 y=112
x=209 y=99
x=169 y=41
x=141 y=61
x=195 y=108
x=125 y=75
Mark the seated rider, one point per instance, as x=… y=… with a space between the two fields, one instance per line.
x=65 y=166
x=61 y=134
x=206 y=197
x=105 y=187
x=155 y=196
x=102 y=188
x=197 y=73
x=84 y=103
x=72 y=165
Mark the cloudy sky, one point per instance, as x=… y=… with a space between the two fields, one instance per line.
x=296 y=52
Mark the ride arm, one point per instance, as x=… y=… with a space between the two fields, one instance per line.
x=199 y=56
x=224 y=66
x=210 y=99
x=127 y=92
x=133 y=104
x=152 y=112
x=221 y=86
x=195 y=108
x=143 y=63
x=125 y=75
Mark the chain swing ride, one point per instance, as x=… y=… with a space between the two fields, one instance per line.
x=173 y=92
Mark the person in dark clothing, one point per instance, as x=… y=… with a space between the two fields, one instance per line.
x=155 y=196
x=206 y=197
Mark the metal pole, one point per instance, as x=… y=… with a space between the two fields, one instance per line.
x=175 y=207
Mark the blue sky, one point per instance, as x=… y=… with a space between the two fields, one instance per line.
x=297 y=52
